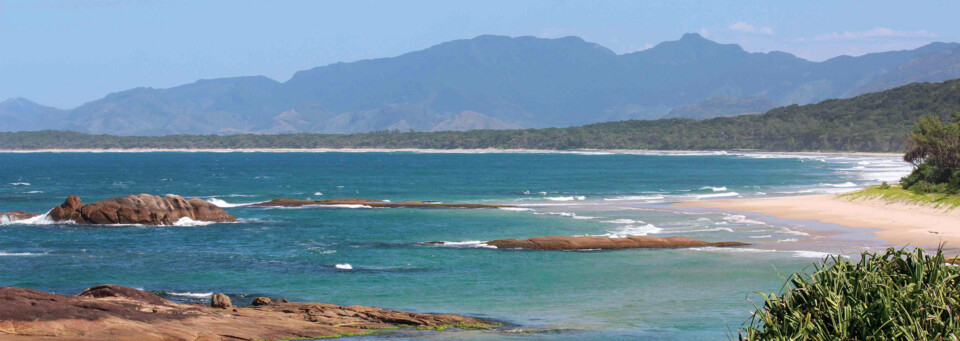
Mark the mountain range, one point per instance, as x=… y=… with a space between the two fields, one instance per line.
x=495 y=82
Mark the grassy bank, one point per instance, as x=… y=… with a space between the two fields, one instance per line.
x=896 y=194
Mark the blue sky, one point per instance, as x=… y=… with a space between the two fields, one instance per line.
x=65 y=53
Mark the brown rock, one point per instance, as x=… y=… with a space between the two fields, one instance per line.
x=111 y=312
x=139 y=209
x=603 y=243
x=260 y=301
x=112 y=290
x=14 y=216
x=370 y=202
x=219 y=300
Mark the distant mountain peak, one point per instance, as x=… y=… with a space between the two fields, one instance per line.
x=20 y=103
x=694 y=37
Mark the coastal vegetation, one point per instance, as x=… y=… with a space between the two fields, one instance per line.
x=896 y=194
x=934 y=150
x=893 y=295
x=875 y=122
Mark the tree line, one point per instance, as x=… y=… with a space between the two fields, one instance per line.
x=875 y=122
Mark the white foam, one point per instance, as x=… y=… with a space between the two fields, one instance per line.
x=20 y=184
x=731 y=249
x=347 y=206
x=33 y=192
x=736 y=218
x=762 y=236
x=223 y=204
x=517 y=209
x=636 y=198
x=187 y=222
x=318 y=193
x=634 y=230
x=715 y=229
x=799 y=233
x=467 y=244
x=43 y=219
x=843 y=185
x=191 y=294
x=788 y=240
x=20 y=254
x=344 y=266
x=622 y=221
x=715 y=189
x=716 y=195
x=812 y=254
x=568 y=214
x=570 y=198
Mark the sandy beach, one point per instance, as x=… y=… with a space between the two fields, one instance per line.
x=898 y=224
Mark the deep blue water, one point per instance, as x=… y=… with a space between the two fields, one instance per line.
x=293 y=253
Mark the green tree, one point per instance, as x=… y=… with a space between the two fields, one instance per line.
x=934 y=149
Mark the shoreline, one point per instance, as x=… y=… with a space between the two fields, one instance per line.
x=895 y=223
x=436 y=151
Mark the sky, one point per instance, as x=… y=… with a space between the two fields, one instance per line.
x=66 y=53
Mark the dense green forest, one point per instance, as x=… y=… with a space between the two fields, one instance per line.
x=875 y=122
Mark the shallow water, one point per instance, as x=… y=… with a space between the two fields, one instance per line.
x=294 y=253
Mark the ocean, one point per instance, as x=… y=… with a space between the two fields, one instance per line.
x=378 y=256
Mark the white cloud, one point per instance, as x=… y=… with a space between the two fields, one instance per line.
x=744 y=27
x=879 y=32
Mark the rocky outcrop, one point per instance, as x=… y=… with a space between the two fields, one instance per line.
x=604 y=243
x=112 y=312
x=139 y=209
x=369 y=202
x=219 y=300
x=12 y=216
x=261 y=301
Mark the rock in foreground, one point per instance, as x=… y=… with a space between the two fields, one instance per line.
x=139 y=209
x=604 y=243
x=286 y=202
x=111 y=312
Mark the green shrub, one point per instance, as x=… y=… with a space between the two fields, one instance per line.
x=922 y=187
x=894 y=295
x=884 y=185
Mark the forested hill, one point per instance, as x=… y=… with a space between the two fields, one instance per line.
x=875 y=122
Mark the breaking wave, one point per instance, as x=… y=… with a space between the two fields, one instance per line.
x=517 y=209
x=223 y=204
x=187 y=222
x=570 y=198
x=191 y=294
x=634 y=230
x=466 y=244
x=716 y=195
x=843 y=185
x=20 y=254
x=636 y=197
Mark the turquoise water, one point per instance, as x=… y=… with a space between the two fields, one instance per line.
x=652 y=294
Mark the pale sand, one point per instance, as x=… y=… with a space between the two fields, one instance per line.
x=452 y=151
x=898 y=224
